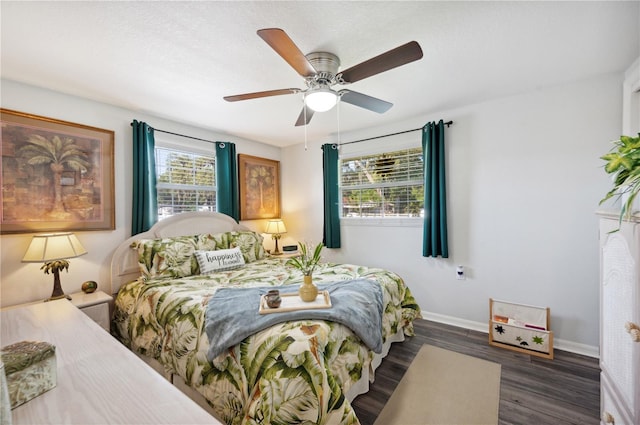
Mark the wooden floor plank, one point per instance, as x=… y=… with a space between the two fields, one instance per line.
x=565 y=390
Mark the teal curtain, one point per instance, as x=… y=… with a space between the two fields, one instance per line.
x=331 y=233
x=434 y=241
x=227 y=199
x=145 y=195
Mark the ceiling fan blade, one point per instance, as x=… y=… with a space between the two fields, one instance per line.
x=301 y=117
x=259 y=94
x=393 y=58
x=285 y=47
x=365 y=101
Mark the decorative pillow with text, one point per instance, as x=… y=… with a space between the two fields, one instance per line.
x=219 y=260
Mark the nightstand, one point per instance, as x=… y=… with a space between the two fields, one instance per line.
x=95 y=305
x=287 y=255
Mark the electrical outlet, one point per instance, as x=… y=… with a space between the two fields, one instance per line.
x=460 y=273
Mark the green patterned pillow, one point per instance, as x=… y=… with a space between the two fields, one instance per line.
x=172 y=257
x=250 y=243
x=175 y=256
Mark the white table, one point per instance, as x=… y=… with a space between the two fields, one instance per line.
x=99 y=380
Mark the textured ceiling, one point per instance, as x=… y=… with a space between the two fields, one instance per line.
x=177 y=60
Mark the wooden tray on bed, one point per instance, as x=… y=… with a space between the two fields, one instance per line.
x=292 y=302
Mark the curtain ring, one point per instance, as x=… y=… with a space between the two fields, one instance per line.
x=221 y=145
x=334 y=146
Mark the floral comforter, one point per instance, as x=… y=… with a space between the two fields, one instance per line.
x=294 y=372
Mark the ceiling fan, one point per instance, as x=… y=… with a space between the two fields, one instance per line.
x=320 y=72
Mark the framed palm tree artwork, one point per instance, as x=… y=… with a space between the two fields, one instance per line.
x=56 y=175
x=259 y=181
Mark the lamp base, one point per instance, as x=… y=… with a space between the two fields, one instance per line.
x=58 y=297
x=276 y=251
x=57 y=293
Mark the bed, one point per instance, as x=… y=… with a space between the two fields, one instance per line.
x=303 y=370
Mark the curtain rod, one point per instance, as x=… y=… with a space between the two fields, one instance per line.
x=181 y=135
x=184 y=135
x=448 y=123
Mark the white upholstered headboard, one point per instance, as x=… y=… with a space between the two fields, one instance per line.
x=124 y=263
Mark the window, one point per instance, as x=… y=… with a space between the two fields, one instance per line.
x=185 y=181
x=388 y=184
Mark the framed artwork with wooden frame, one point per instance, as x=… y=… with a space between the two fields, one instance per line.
x=56 y=175
x=259 y=181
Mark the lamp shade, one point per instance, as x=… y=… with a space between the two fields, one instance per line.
x=275 y=227
x=53 y=246
x=321 y=99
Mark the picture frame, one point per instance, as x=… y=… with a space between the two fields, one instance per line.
x=259 y=187
x=43 y=191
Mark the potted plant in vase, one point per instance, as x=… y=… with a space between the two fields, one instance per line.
x=307 y=262
x=624 y=161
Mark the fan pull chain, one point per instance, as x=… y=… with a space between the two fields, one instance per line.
x=305 y=129
x=304 y=112
x=338 y=112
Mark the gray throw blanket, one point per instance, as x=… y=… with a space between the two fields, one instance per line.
x=232 y=313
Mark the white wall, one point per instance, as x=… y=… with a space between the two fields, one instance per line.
x=524 y=182
x=25 y=282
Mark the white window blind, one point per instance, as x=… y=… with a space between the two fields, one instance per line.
x=185 y=181
x=388 y=184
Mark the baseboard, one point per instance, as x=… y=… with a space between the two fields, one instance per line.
x=454 y=321
x=559 y=344
x=574 y=347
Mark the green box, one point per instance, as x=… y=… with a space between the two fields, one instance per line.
x=30 y=368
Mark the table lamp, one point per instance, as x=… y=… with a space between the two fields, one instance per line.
x=54 y=249
x=276 y=228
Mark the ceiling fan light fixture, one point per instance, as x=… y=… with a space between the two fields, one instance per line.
x=321 y=99
x=320 y=72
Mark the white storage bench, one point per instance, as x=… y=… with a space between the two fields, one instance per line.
x=520 y=327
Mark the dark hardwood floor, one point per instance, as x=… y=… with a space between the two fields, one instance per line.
x=533 y=390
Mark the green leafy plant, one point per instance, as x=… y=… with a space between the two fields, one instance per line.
x=624 y=161
x=308 y=259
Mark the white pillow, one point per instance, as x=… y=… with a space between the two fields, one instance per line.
x=219 y=260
